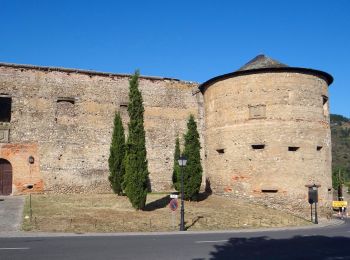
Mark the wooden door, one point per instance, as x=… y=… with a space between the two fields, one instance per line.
x=5 y=177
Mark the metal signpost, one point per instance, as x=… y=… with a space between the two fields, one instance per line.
x=173 y=205
x=313 y=199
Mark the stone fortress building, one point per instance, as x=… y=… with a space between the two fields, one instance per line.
x=264 y=128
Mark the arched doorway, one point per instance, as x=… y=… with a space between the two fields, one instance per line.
x=5 y=177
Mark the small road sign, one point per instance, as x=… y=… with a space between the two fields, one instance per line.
x=174 y=196
x=339 y=204
x=173 y=204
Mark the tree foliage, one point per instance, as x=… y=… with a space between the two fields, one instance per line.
x=338 y=118
x=136 y=169
x=340 y=150
x=176 y=168
x=193 y=170
x=116 y=156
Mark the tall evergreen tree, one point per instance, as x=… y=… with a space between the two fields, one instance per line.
x=116 y=156
x=136 y=169
x=176 y=168
x=193 y=170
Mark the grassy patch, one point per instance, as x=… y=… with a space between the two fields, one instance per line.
x=110 y=213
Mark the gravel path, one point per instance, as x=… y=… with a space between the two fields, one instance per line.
x=11 y=208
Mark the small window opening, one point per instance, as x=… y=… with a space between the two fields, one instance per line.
x=258 y=146
x=220 y=151
x=293 y=148
x=269 y=191
x=5 y=109
x=319 y=148
x=66 y=99
x=30 y=186
x=124 y=104
x=325 y=105
x=324 y=100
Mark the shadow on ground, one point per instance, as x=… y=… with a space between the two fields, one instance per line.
x=158 y=204
x=298 y=247
x=164 y=202
x=202 y=196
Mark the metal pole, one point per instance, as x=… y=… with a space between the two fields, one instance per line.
x=311 y=213
x=30 y=207
x=182 y=224
x=316 y=220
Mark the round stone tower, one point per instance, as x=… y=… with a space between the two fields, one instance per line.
x=267 y=131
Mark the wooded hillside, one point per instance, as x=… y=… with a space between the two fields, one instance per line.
x=340 y=127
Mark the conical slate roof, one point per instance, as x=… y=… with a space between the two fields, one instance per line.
x=262 y=62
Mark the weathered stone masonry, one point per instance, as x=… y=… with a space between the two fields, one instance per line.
x=267 y=131
x=64 y=119
x=264 y=128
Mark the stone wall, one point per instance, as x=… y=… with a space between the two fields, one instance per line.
x=267 y=136
x=68 y=116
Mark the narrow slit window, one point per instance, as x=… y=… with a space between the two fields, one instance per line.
x=66 y=99
x=319 y=148
x=269 y=191
x=258 y=146
x=293 y=148
x=123 y=105
x=220 y=151
x=325 y=105
x=5 y=109
x=324 y=100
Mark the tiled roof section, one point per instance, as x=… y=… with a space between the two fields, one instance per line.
x=81 y=71
x=262 y=62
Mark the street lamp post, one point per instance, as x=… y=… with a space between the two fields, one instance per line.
x=182 y=162
x=314 y=187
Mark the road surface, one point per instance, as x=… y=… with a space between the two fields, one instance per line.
x=331 y=242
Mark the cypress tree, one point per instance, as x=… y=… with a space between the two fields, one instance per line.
x=193 y=170
x=116 y=156
x=136 y=169
x=176 y=168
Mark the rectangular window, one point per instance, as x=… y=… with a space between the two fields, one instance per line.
x=65 y=107
x=5 y=109
x=258 y=146
x=257 y=111
x=293 y=148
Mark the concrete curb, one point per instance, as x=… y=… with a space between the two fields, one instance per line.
x=322 y=224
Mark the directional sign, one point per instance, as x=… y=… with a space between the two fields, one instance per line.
x=339 y=204
x=173 y=204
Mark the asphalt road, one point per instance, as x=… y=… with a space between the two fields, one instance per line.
x=322 y=243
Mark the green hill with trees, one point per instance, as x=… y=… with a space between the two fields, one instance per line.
x=340 y=127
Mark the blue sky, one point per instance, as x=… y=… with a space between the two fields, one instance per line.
x=188 y=40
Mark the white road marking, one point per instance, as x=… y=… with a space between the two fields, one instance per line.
x=211 y=241
x=14 y=248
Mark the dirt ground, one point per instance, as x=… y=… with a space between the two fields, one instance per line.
x=111 y=213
